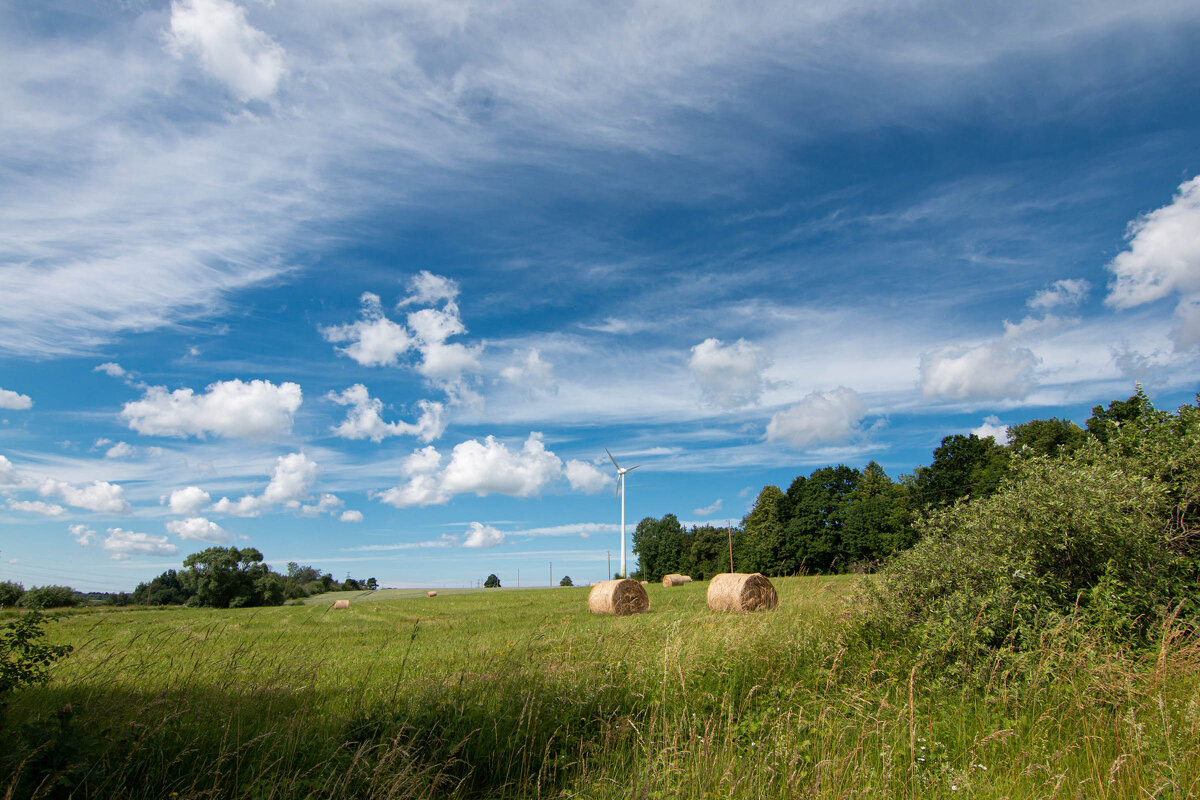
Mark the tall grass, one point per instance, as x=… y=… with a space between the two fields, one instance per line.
x=523 y=694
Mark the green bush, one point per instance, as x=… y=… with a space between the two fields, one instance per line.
x=50 y=597
x=1099 y=536
x=10 y=593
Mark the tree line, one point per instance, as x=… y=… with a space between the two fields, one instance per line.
x=840 y=519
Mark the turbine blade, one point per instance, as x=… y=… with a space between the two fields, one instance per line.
x=610 y=458
x=631 y=469
x=620 y=477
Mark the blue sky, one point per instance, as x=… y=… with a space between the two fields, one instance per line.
x=372 y=285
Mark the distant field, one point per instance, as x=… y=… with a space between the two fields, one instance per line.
x=522 y=693
x=381 y=594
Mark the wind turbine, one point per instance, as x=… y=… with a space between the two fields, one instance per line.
x=621 y=493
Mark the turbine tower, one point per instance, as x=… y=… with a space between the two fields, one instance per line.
x=621 y=493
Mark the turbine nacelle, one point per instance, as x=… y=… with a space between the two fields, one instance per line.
x=620 y=472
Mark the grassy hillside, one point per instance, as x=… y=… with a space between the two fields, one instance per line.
x=522 y=693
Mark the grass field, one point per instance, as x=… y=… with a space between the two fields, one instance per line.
x=522 y=693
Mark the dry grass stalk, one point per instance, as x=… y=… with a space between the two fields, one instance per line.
x=619 y=597
x=739 y=591
x=675 y=580
x=341 y=604
x=431 y=593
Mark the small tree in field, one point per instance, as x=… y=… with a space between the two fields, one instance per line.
x=566 y=581
x=492 y=582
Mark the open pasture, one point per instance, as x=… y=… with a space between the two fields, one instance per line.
x=522 y=693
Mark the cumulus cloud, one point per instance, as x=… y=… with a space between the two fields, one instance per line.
x=529 y=372
x=427 y=289
x=228 y=47
x=111 y=368
x=482 y=536
x=186 y=502
x=83 y=534
x=991 y=426
x=120 y=450
x=731 y=375
x=709 y=509
x=1163 y=254
x=444 y=364
x=351 y=516
x=199 y=529
x=8 y=473
x=290 y=483
x=122 y=544
x=364 y=420
x=585 y=477
x=1041 y=326
x=13 y=401
x=326 y=504
x=819 y=418
x=256 y=409
x=1069 y=292
x=992 y=370
x=486 y=467
x=97 y=496
x=37 y=507
x=375 y=341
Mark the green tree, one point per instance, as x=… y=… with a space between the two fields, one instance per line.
x=1104 y=421
x=24 y=658
x=226 y=577
x=1045 y=437
x=963 y=466
x=816 y=509
x=50 y=597
x=878 y=522
x=371 y=584
x=763 y=547
x=566 y=581
x=167 y=589
x=658 y=546
x=10 y=593
x=492 y=582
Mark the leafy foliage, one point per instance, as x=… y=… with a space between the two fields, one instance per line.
x=566 y=581
x=24 y=658
x=50 y=597
x=492 y=582
x=10 y=593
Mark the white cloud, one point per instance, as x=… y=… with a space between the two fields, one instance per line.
x=256 y=409
x=729 y=376
x=290 y=483
x=37 y=507
x=229 y=48
x=993 y=370
x=1187 y=335
x=482 y=536
x=1069 y=292
x=709 y=509
x=8 y=474
x=352 y=515
x=97 y=496
x=365 y=422
x=123 y=544
x=1163 y=254
x=199 y=529
x=530 y=372
x=444 y=363
x=112 y=369
x=120 y=450
x=1041 y=326
x=375 y=341
x=13 y=401
x=483 y=468
x=83 y=534
x=585 y=477
x=819 y=418
x=427 y=289
x=186 y=502
x=991 y=426
x=326 y=504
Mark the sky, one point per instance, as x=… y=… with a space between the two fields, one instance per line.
x=372 y=285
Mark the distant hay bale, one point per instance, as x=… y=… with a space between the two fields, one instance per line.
x=644 y=583
x=341 y=604
x=619 y=597
x=675 y=580
x=740 y=591
x=431 y=593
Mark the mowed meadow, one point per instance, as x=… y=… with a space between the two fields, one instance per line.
x=522 y=693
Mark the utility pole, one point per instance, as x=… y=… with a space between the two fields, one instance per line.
x=729 y=526
x=609 y=564
x=551 y=574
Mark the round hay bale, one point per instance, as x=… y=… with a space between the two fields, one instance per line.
x=431 y=593
x=619 y=597
x=340 y=604
x=740 y=591
x=644 y=583
x=675 y=580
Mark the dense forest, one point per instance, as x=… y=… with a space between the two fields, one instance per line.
x=842 y=519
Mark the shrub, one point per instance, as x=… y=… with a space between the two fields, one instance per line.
x=50 y=597
x=24 y=659
x=10 y=593
x=492 y=582
x=1101 y=536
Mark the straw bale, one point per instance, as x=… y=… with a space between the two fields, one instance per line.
x=431 y=593
x=675 y=580
x=340 y=604
x=620 y=597
x=740 y=591
x=644 y=583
